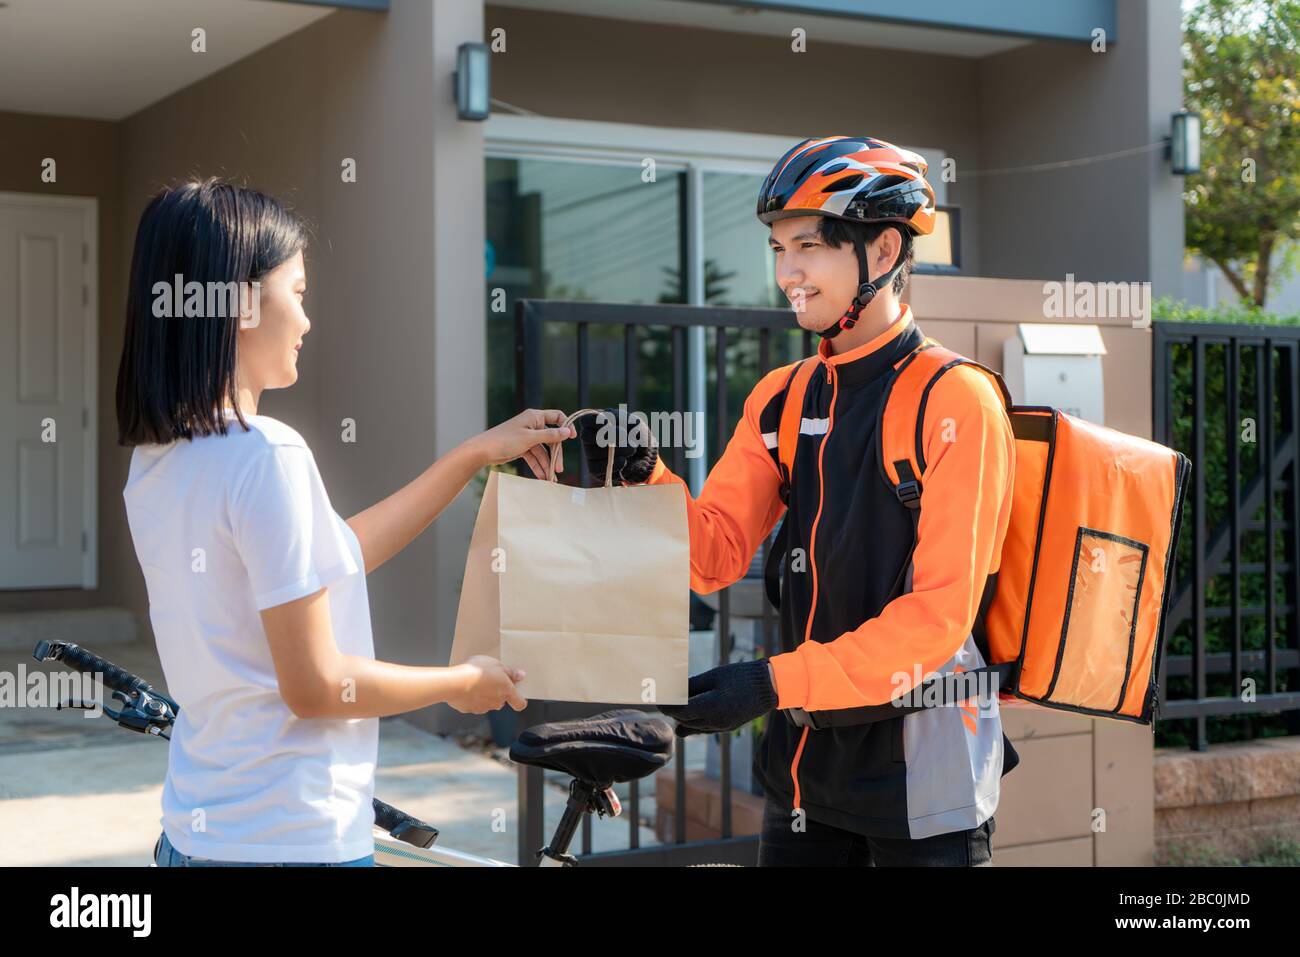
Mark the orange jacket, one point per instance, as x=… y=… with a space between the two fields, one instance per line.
x=965 y=509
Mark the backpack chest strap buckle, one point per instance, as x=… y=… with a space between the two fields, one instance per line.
x=909 y=493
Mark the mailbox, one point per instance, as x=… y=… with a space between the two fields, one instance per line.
x=1056 y=364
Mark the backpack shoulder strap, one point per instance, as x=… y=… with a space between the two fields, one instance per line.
x=900 y=430
x=787 y=438
x=787 y=435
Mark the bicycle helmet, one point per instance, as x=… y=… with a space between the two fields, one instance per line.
x=857 y=178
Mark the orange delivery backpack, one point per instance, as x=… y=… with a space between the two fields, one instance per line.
x=1076 y=619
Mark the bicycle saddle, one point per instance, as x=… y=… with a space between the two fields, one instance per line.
x=602 y=750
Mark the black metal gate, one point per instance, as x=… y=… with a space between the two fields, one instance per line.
x=729 y=326
x=1228 y=397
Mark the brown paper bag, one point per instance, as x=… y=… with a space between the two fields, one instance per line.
x=586 y=590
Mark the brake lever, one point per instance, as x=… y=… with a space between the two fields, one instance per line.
x=150 y=719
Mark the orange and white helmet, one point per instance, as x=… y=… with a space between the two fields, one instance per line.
x=857 y=178
x=850 y=177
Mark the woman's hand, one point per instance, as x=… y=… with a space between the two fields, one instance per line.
x=488 y=685
x=523 y=436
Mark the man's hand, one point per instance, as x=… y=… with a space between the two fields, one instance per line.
x=725 y=699
x=633 y=461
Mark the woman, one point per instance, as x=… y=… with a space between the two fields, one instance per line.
x=257 y=591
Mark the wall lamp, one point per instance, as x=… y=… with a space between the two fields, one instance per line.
x=1183 y=145
x=472 y=87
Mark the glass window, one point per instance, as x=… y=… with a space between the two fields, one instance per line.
x=739 y=270
x=577 y=230
x=738 y=266
x=561 y=229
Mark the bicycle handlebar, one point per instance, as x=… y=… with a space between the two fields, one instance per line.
x=402 y=827
x=115 y=678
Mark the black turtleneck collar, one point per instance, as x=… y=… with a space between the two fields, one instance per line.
x=872 y=359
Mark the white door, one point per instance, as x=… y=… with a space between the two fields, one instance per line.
x=47 y=353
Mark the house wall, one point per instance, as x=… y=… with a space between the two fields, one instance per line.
x=1047 y=101
x=1116 y=220
x=619 y=71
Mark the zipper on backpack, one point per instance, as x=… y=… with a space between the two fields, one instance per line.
x=812 y=563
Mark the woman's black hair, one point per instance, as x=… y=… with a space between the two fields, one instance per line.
x=836 y=232
x=177 y=371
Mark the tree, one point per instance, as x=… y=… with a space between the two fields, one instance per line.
x=1241 y=58
x=715 y=284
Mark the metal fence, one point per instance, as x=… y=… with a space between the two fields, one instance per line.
x=728 y=326
x=1228 y=397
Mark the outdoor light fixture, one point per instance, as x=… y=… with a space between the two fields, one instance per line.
x=472 y=81
x=1183 y=147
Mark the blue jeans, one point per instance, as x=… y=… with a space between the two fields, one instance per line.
x=821 y=845
x=165 y=855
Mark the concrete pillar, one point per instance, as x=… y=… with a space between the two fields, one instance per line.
x=395 y=265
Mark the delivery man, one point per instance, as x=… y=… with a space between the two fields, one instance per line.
x=870 y=598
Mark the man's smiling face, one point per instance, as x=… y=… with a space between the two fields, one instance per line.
x=818 y=279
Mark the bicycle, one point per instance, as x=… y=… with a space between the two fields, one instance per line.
x=614 y=747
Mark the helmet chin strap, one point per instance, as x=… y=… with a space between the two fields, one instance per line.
x=867 y=290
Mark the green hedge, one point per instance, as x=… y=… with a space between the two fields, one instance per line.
x=1172 y=310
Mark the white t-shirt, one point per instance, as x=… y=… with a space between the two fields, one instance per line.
x=225 y=526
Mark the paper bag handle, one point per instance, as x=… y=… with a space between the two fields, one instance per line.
x=554 y=448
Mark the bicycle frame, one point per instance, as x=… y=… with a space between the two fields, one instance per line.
x=391 y=853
